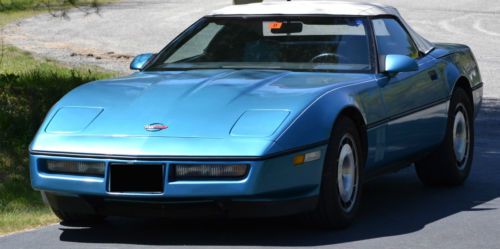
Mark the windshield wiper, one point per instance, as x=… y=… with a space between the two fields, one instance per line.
x=252 y=67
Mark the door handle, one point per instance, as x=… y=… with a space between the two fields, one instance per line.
x=433 y=75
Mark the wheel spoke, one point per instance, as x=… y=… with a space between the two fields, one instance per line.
x=461 y=136
x=347 y=182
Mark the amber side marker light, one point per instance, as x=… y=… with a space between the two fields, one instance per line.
x=305 y=158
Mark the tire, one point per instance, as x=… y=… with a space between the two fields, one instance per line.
x=450 y=164
x=337 y=208
x=72 y=210
x=70 y=218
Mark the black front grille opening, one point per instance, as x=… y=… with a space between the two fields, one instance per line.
x=136 y=178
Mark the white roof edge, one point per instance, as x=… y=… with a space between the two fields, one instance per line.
x=323 y=8
x=307 y=7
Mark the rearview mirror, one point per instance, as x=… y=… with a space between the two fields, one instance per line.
x=394 y=63
x=140 y=61
x=286 y=27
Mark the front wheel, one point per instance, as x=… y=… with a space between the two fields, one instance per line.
x=341 y=183
x=72 y=210
x=75 y=218
x=451 y=163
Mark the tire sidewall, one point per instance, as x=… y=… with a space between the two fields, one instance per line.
x=330 y=196
x=459 y=98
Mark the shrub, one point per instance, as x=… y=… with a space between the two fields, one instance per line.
x=25 y=98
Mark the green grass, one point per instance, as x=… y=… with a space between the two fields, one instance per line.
x=11 y=16
x=12 y=10
x=29 y=87
x=21 y=207
x=20 y=5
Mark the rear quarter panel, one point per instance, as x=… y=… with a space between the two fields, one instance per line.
x=460 y=62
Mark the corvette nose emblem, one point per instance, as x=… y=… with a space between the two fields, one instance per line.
x=155 y=127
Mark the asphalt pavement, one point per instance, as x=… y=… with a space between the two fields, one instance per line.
x=397 y=211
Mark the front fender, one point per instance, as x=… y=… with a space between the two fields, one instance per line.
x=314 y=125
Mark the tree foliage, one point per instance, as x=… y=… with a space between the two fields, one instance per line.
x=55 y=7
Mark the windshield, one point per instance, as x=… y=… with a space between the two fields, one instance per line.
x=291 y=43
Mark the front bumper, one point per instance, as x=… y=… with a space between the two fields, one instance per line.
x=274 y=181
x=179 y=208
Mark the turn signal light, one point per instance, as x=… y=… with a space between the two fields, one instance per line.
x=305 y=158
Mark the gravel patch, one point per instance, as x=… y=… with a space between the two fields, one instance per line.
x=123 y=30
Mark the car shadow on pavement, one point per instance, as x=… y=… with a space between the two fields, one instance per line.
x=394 y=204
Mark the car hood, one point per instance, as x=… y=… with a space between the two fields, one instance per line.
x=192 y=104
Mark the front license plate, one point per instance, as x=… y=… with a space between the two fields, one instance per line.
x=136 y=178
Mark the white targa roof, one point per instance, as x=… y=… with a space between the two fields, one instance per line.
x=341 y=8
x=307 y=7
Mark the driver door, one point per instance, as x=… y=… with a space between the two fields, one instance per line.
x=415 y=102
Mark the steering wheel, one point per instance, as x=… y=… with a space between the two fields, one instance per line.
x=323 y=57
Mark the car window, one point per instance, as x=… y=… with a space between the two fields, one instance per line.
x=392 y=38
x=292 y=43
x=196 y=46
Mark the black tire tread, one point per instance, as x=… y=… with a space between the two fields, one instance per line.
x=324 y=216
x=69 y=217
x=439 y=168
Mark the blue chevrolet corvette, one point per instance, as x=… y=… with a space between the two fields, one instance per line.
x=265 y=109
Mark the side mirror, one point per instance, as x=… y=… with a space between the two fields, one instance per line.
x=140 y=61
x=394 y=64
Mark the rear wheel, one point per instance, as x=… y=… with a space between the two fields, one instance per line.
x=450 y=164
x=341 y=183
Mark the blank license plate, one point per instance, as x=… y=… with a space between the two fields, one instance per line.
x=136 y=178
